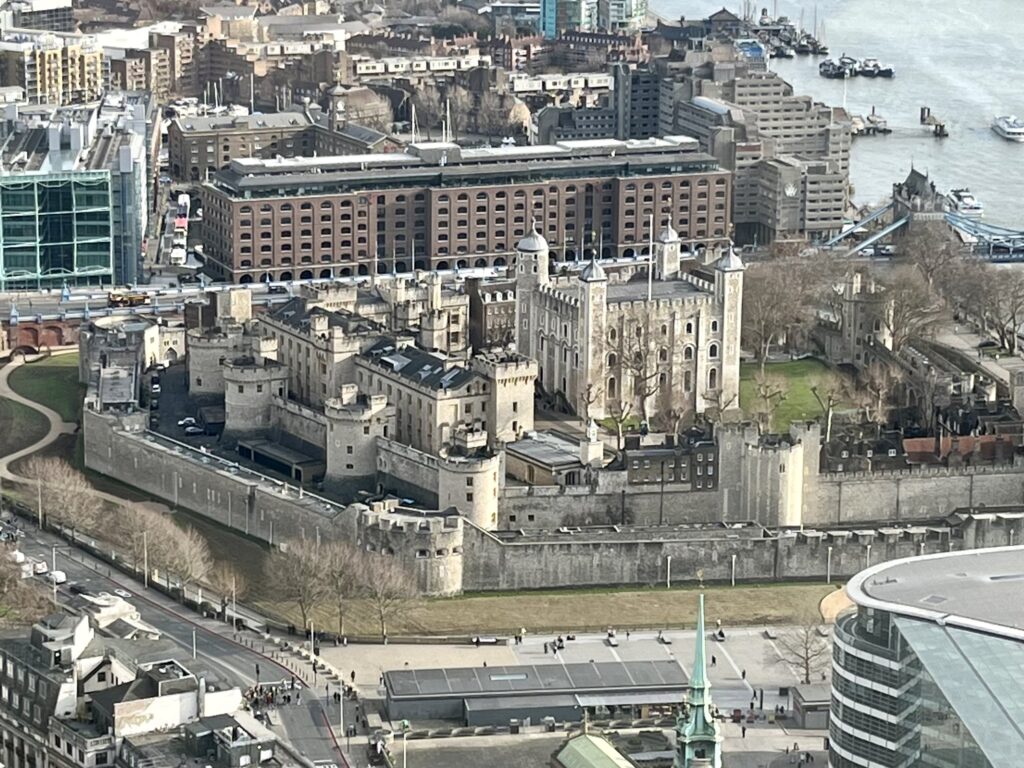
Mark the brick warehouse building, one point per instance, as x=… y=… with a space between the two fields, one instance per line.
x=439 y=206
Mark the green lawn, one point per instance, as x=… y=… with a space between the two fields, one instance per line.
x=576 y=610
x=800 y=403
x=20 y=426
x=53 y=382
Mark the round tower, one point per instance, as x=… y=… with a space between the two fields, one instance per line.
x=354 y=422
x=250 y=386
x=208 y=348
x=667 y=254
x=470 y=484
x=532 y=263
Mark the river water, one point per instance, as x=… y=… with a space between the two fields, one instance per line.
x=959 y=57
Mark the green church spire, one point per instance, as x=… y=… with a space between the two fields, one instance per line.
x=697 y=735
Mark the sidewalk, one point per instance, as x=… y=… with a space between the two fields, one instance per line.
x=965 y=343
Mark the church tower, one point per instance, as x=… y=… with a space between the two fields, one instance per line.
x=532 y=265
x=698 y=738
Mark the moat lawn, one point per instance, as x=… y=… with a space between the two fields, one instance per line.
x=800 y=403
x=580 y=610
x=20 y=426
x=53 y=382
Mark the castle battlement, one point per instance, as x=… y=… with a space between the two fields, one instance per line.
x=1017 y=467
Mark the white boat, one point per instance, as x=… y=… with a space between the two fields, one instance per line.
x=1010 y=127
x=965 y=203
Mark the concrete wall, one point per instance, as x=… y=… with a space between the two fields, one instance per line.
x=554 y=506
x=299 y=422
x=933 y=493
x=490 y=563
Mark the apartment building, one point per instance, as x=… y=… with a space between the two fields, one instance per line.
x=52 y=68
x=440 y=206
x=557 y=16
x=182 y=74
x=75 y=699
x=621 y=15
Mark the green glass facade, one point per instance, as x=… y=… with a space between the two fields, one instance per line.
x=918 y=692
x=55 y=228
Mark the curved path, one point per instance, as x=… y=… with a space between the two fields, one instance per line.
x=57 y=425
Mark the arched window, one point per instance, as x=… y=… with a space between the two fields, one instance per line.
x=687 y=381
x=612 y=335
x=663 y=354
x=612 y=360
x=714 y=326
x=611 y=386
x=688 y=353
x=664 y=330
x=689 y=327
x=713 y=351
x=713 y=379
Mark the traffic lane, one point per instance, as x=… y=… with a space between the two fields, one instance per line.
x=235 y=660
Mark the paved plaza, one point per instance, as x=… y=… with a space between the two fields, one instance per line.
x=744 y=664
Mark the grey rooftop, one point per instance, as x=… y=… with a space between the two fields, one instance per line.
x=975 y=589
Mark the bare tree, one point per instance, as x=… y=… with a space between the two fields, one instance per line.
x=372 y=112
x=387 y=586
x=21 y=601
x=187 y=557
x=805 y=649
x=914 y=308
x=299 y=575
x=780 y=297
x=592 y=394
x=67 y=496
x=641 y=358
x=829 y=390
x=457 y=107
x=1004 y=306
x=619 y=414
x=931 y=248
x=226 y=580
x=770 y=392
x=343 y=563
x=492 y=116
x=875 y=389
x=429 y=109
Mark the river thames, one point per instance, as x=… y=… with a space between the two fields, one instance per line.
x=959 y=58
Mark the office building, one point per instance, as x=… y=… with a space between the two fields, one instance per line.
x=929 y=668
x=49 y=15
x=790 y=155
x=621 y=15
x=74 y=198
x=53 y=68
x=439 y=206
x=557 y=16
x=199 y=146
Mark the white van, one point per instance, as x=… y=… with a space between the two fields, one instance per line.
x=57 y=577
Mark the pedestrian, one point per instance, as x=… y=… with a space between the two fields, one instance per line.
x=627 y=634
x=298 y=697
x=714 y=660
x=743 y=674
x=353 y=677
x=545 y=649
x=743 y=731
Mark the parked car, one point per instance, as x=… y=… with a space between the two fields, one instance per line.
x=57 y=577
x=188 y=421
x=78 y=589
x=154 y=404
x=194 y=430
x=123 y=593
x=154 y=388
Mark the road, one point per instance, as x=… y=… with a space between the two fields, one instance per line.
x=304 y=727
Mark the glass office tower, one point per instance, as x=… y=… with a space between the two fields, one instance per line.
x=55 y=228
x=929 y=669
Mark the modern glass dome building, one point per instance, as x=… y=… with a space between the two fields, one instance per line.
x=929 y=669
